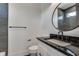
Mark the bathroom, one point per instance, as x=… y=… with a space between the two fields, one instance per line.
x=27 y=25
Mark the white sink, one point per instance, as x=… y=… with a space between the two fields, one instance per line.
x=58 y=42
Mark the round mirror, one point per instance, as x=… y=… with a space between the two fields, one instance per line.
x=66 y=16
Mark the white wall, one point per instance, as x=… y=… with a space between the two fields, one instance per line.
x=47 y=27
x=27 y=15
x=46 y=24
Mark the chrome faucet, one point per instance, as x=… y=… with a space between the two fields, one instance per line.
x=60 y=33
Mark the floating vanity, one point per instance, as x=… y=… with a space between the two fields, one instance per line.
x=62 y=47
x=47 y=49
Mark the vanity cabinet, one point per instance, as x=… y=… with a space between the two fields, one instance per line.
x=46 y=50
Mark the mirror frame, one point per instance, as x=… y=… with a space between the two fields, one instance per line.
x=53 y=19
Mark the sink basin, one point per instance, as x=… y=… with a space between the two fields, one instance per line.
x=58 y=42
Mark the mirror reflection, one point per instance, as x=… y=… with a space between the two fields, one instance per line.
x=65 y=17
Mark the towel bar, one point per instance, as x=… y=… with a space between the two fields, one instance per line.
x=17 y=27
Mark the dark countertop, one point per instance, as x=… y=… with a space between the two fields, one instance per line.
x=71 y=47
